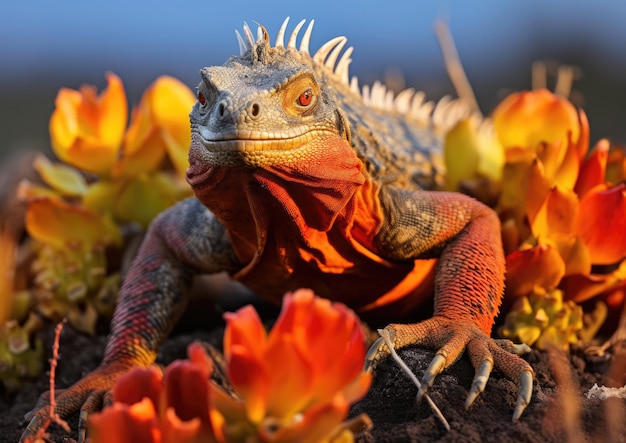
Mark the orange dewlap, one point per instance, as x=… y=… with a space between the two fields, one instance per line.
x=311 y=223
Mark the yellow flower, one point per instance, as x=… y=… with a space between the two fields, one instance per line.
x=138 y=199
x=530 y=118
x=159 y=125
x=62 y=225
x=472 y=151
x=86 y=129
x=544 y=319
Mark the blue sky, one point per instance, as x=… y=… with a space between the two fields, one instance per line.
x=180 y=37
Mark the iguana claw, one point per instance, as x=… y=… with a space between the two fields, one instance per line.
x=524 y=395
x=434 y=369
x=376 y=353
x=479 y=383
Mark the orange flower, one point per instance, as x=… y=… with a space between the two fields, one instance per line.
x=149 y=408
x=86 y=130
x=159 y=125
x=611 y=286
x=593 y=170
x=545 y=140
x=302 y=377
x=295 y=384
x=540 y=266
x=601 y=223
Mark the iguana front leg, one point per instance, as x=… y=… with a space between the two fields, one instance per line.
x=469 y=282
x=182 y=241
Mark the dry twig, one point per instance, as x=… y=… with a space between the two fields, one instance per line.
x=385 y=335
x=41 y=435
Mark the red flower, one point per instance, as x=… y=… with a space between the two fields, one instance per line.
x=150 y=408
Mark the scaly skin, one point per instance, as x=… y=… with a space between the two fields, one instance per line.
x=301 y=183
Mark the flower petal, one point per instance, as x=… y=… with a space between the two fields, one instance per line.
x=171 y=103
x=291 y=382
x=580 y=288
x=86 y=130
x=318 y=424
x=537 y=190
x=616 y=165
x=472 y=150
x=250 y=376
x=556 y=214
x=245 y=342
x=55 y=222
x=198 y=356
x=114 y=111
x=64 y=179
x=515 y=183
x=138 y=384
x=540 y=266
x=142 y=198
x=326 y=334
x=526 y=119
x=356 y=390
x=100 y=196
x=186 y=389
x=125 y=424
x=593 y=170
x=175 y=430
x=567 y=172
x=144 y=149
x=573 y=252
x=244 y=328
x=601 y=223
x=460 y=153
x=159 y=124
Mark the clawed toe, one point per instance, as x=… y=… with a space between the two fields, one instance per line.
x=377 y=352
x=479 y=382
x=524 y=394
x=451 y=339
x=434 y=369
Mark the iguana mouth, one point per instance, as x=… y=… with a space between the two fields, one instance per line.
x=253 y=141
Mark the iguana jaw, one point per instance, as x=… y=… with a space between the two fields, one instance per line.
x=254 y=148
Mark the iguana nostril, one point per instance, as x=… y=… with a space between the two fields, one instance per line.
x=255 y=110
x=221 y=109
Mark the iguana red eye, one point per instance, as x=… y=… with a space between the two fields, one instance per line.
x=201 y=98
x=306 y=98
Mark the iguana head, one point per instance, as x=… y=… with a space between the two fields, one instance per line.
x=267 y=129
x=268 y=105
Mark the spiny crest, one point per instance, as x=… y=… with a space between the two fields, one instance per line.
x=326 y=56
x=442 y=116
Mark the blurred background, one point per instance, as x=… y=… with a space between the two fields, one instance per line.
x=47 y=45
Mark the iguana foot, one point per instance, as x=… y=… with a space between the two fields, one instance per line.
x=451 y=338
x=88 y=395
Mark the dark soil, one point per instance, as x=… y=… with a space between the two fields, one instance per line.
x=559 y=410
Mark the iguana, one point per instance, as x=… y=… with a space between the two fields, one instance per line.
x=301 y=179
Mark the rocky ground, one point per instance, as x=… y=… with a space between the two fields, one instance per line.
x=559 y=411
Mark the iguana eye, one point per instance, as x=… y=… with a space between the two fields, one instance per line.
x=306 y=98
x=300 y=96
x=201 y=98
